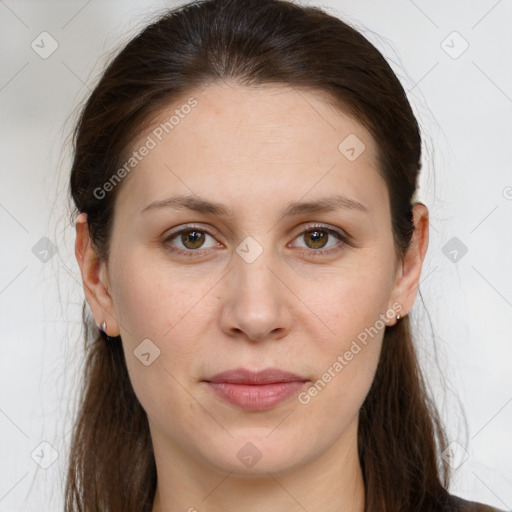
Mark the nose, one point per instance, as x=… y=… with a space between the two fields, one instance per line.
x=258 y=303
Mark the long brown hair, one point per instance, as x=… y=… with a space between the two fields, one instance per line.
x=253 y=42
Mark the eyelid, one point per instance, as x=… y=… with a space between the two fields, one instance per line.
x=326 y=227
x=189 y=227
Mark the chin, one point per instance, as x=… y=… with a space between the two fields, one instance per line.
x=258 y=454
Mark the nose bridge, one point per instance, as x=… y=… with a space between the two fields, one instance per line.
x=257 y=302
x=253 y=267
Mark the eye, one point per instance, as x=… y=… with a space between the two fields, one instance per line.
x=317 y=236
x=192 y=240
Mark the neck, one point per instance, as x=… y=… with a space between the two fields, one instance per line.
x=333 y=482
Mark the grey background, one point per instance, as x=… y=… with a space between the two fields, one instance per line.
x=464 y=103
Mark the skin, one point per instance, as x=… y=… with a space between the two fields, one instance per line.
x=254 y=150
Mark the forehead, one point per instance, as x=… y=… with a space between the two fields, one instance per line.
x=238 y=141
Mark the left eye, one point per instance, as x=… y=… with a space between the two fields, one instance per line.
x=193 y=239
x=318 y=236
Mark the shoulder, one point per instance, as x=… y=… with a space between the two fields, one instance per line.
x=461 y=505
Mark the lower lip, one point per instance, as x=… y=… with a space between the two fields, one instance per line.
x=255 y=397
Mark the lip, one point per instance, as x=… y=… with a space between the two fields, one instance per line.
x=255 y=391
x=267 y=376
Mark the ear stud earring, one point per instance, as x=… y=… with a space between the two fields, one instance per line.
x=103 y=328
x=398 y=317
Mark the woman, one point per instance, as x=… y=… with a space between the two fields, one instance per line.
x=250 y=249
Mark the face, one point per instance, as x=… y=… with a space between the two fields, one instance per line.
x=262 y=284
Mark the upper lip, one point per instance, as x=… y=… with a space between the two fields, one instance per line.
x=244 y=376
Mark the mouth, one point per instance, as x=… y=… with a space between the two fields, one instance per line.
x=255 y=391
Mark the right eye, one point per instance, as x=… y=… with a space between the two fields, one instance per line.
x=191 y=238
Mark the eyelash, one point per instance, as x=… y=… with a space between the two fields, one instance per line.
x=315 y=252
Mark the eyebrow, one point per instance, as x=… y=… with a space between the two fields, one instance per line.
x=198 y=204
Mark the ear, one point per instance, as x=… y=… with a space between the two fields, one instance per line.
x=409 y=275
x=94 y=278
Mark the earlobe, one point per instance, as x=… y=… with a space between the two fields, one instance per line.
x=94 y=278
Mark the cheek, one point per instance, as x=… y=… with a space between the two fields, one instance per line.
x=173 y=314
x=333 y=401
x=155 y=302
x=349 y=302
x=347 y=352
x=346 y=364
